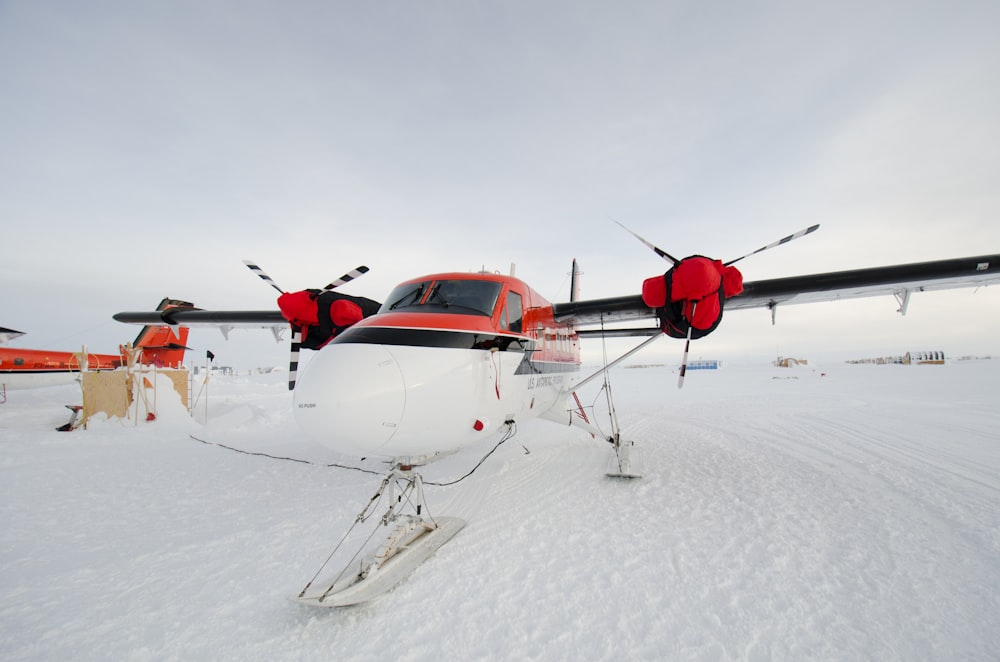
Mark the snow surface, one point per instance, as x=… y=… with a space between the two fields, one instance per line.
x=844 y=512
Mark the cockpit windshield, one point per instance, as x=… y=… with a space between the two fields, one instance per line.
x=462 y=297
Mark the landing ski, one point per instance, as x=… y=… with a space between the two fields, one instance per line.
x=410 y=544
x=625 y=462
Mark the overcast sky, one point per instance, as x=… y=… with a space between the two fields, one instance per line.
x=146 y=148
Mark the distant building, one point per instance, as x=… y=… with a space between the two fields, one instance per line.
x=910 y=358
x=704 y=364
x=934 y=358
x=214 y=370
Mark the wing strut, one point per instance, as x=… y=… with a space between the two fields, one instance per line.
x=621 y=358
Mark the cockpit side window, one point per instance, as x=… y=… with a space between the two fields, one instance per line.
x=512 y=316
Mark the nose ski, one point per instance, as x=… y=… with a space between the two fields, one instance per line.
x=413 y=538
x=411 y=543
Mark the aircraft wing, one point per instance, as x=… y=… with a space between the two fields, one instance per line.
x=194 y=317
x=899 y=280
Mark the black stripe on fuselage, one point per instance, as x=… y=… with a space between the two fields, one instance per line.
x=385 y=335
x=529 y=367
x=444 y=339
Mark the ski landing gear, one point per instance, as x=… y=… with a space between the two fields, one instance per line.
x=627 y=460
x=413 y=538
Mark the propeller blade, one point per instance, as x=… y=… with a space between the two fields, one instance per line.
x=783 y=240
x=293 y=358
x=296 y=344
x=347 y=278
x=662 y=253
x=687 y=347
x=263 y=276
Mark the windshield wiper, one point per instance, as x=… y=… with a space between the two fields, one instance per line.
x=436 y=297
x=413 y=296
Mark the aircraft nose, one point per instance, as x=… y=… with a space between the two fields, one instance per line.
x=351 y=399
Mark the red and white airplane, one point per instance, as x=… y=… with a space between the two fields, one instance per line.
x=162 y=345
x=452 y=360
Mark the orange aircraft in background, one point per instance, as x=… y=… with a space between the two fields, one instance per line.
x=162 y=346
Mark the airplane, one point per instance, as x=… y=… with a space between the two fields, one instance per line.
x=162 y=345
x=453 y=360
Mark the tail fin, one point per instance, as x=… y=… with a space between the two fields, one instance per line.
x=163 y=345
x=574 y=282
x=6 y=335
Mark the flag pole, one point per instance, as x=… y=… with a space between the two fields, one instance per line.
x=209 y=357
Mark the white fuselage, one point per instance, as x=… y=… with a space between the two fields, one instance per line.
x=15 y=380
x=405 y=400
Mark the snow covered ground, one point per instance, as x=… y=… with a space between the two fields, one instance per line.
x=842 y=512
